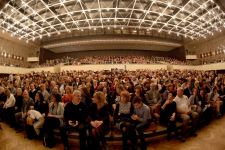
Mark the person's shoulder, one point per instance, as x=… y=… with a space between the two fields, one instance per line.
x=145 y=106
x=185 y=97
x=176 y=98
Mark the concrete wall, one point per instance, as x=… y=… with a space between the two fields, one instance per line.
x=211 y=44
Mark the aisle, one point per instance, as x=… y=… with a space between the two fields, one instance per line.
x=210 y=137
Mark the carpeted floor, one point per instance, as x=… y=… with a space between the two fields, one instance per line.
x=211 y=137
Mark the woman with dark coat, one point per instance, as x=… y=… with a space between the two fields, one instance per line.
x=98 y=120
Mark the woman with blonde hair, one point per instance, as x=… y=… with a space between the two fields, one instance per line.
x=98 y=119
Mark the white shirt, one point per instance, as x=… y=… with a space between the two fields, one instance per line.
x=10 y=102
x=34 y=114
x=182 y=104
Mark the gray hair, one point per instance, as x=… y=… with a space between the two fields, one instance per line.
x=76 y=92
x=180 y=88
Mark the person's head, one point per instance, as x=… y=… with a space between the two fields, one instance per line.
x=69 y=89
x=55 y=89
x=195 y=91
x=56 y=98
x=170 y=96
x=39 y=97
x=42 y=87
x=202 y=93
x=25 y=94
x=180 y=92
x=153 y=86
x=19 y=92
x=137 y=102
x=138 y=90
x=170 y=87
x=76 y=97
x=105 y=90
x=99 y=98
x=125 y=97
x=53 y=84
x=7 y=92
x=32 y=86
x=188 y=85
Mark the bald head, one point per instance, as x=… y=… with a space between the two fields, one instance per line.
x=180 y=92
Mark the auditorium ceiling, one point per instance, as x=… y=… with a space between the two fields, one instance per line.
x=47 y=20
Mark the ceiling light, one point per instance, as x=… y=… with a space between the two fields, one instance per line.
x=122 y=28
x=48 y=34
x=58 y=33
x=33 y=38
x=108 y=28
x=26 y=41
x=169 y=4
x=40 y=36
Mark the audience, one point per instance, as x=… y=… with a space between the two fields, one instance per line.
x=113 y=60
x=93 y=103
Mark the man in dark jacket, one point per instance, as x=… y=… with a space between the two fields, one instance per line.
x=75 y=117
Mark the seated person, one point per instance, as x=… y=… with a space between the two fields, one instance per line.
x=215 y=101
x=153 y=99
x=9 y=108
x=21 y=116
x=195 y=101
x=98 y=120
x=168 y=114
x=53 y=120
x=74 y=118
x=141 y=119
x=34 y=121
x=123 y=112
x=185 y=113
x=40 y=104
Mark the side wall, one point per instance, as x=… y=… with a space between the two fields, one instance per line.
x=13 y=47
